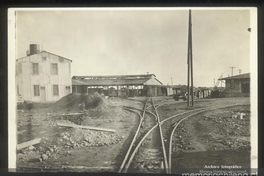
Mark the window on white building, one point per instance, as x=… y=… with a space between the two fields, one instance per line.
x=36 y=90
x=55 y=90
x=44 y=58
x=54 y=68
x=35 y=68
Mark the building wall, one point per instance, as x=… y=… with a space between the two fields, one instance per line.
x=236 y=91
x=237 y=88
x=169 y=91
x=25 y=79
x=126 y=90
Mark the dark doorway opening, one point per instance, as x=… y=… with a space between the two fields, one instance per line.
x=245 y=87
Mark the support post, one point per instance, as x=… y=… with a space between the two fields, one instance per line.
x=117 y=90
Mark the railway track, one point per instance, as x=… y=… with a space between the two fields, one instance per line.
x=151 y=148
x=184 y=116
x=146 y=152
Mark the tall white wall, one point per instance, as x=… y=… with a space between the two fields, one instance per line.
x=26 y=79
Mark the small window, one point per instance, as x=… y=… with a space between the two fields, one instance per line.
x=68 y=87
x=61 y=59
x=54 y=69
x=36 y=90
x=55 y=90
x=35 y=68
x=44 y=58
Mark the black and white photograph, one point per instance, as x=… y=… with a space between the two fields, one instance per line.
x=133 y=90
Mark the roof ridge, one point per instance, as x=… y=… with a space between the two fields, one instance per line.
x=46 y=52
x=244 y=75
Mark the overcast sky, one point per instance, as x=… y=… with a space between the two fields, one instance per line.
x=111 y=42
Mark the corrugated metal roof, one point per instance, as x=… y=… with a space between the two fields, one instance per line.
x=167 y=86
x=242 y=76
x=109 y=82
x=77 y=82
x=115 y=76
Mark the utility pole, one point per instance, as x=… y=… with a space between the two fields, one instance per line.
x=171 y=82
x=232 y=70
x=191 y=56
x=239 y=71
x=190 y=62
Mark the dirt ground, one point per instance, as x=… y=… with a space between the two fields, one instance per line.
x=211 y=135
x=65 y=148
x=218 y=137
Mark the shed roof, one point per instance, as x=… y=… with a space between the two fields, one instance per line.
x=115 y=76
x=43 y=51
x=242 y=76
x=168 y=86
x=109 y=82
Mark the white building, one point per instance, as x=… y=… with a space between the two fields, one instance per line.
x=42 y=76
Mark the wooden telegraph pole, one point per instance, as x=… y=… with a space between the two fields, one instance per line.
x=190 y=62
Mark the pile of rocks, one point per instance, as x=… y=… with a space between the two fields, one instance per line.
x=71 y=139
x=181 y=143
x=46 y=152
x=23 y=117
x=42 y=152
x=70 y=101
x=234 y=131
x=95 y=100
x=85 y=138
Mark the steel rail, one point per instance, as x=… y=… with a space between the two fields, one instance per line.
x=186 y=112
x=158 y=124
x=141 y=141
x=177 y=124
x=177 y=102
x=135 y=136
x=140 y=110
x=170 y=141
x=182 y=113
x=137 y=147
x=161 y=138
x=132 y=142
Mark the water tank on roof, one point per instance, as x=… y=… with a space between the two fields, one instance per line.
x=34 y=49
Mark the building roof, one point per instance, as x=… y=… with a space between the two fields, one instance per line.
x=109 y=82
x=114 y=76
x=168 y=86
x=48 y=53
x=114 y=80
x=242 y=76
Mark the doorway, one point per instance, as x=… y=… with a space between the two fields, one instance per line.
x=245 y=87
x=42 y=94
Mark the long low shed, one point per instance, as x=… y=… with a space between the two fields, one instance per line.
x=129 y=86
x=121 y=85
